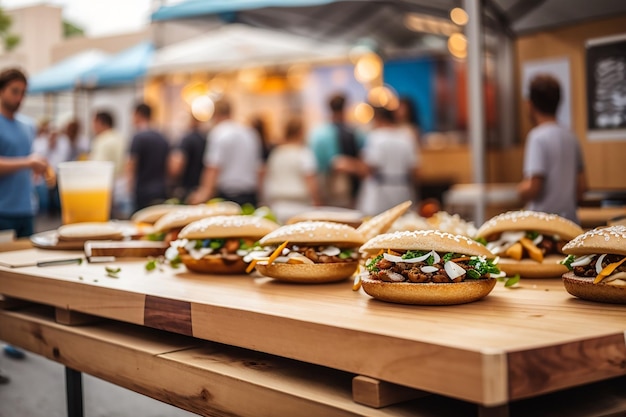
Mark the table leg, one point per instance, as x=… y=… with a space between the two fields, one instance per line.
x=74 y=392
x=497 y=411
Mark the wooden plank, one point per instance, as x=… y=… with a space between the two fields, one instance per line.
x=547 y=369
x=10 y=303
x=375 y=393
x=165 y=314
x=211 y=380
x=73 y=318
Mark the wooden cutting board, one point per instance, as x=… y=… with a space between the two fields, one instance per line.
x=125 y=249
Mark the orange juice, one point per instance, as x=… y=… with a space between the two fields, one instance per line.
x=85 y=205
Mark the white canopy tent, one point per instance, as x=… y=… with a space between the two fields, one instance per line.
x=239 y=46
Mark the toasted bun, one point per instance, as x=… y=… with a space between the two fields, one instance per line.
x=426 y=240
x=308 y=273
x=545 y=223
x=382 y=222
x=214 y=265
x=350 y=217
x=188 y=214
x=319 y=233
x=228 y=226
x=610 y=239
x=528 y=268
x=153 y=213
x=585 y=288
x=429 y=293
x=89 y=231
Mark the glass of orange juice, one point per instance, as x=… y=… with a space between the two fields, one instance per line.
x=85 y=188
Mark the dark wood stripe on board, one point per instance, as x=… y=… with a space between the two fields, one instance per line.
x=165 y=314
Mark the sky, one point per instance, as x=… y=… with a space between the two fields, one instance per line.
x=97 y=17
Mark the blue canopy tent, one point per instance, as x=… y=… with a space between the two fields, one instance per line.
x=64 y=75
x=121 y=69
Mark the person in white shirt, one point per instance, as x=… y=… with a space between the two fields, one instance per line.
x=232 y=161
x=392 y=162
x=290 y=176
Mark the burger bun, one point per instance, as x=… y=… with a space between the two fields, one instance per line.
x=214 y=265
x=584 y=288
x=308 y=273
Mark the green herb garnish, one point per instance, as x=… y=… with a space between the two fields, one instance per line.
x=410 y=254
x=247 y=209
x=568 y=261
x=112 y=271
x=156 y=237
x=151 y=265
x=474 y=274
x=450 y=256
x=512 y=280
x=371 y=265
x=345 y=254
x=217 y=243
x=175 y=263
x=532 y=235
x=483 y=266
x=481 y=240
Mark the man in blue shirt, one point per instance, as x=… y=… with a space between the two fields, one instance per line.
x=17 y=162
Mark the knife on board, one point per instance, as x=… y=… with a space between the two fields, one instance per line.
x=107 y=251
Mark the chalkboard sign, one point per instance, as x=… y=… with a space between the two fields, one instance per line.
x=606 y=88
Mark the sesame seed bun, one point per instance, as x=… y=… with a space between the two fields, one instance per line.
x=521 y=220
x=228 y=226
x=429 y=293
x=528 y=268
x=610 y=239
x=318 y=233
x=350 y=217
x=382 y=222
x=308 y=273
x=79 y=232
x=426 y=240
x=584 y=288
x=187 y=214
x=153 y=213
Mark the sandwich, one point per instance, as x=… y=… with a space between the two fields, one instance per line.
x=81 y=232
x=427 y=267
x=150 y=214
x=529 y=243
x=311 y=252
x=350 y=217
x=383 y=221
x=597 y=265
x=219 y=244
x=168 y=226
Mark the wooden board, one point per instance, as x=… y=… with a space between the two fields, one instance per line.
x=484 y=352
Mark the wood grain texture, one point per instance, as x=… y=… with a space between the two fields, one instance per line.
x=72 y=318
x=537 y=371
x=171 y=315
x=211 y=380
x=375 y=393
x=458 y=351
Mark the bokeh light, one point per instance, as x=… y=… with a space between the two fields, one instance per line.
x=457 y=45
x=459 y=16
x=363 y=113
x=202 y=108
x=368 y=68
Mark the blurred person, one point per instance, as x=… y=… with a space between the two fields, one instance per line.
x=554 y=175
x=290 y=175
x=260 y=126
x=58 y=150
x=147 y=163
x=110 y=145
x=17 y=162
x=186 y=160
x=337 y=143
x=405 y=117
x=79 y=148
x=232 y=161
x=392 y=163
x=18 y=165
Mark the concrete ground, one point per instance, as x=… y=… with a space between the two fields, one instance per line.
x=37 y=385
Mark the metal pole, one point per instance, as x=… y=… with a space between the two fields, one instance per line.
x=74 y=392
x=476 y=105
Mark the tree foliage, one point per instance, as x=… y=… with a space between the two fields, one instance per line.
x=10 y=40
x=70 y=30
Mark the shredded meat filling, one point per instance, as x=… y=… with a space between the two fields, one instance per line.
x=412 y=272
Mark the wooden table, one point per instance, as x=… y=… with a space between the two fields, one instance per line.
x=514 y=344
x=591 y=217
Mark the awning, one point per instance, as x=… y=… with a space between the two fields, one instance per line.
x=64 y=75
x=236 y=46
x=124 y=68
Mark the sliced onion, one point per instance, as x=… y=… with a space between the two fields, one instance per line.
x=300 y=257
x=436 y=256
x=281 y=260
x=256 y=254
x=501 y=274
x=171 y=253
x=512 y=237
x=583 y=260
x=599 y=263
x=286 y=251
x=242 y=252
x=395 y=277
x=180 y=243
x=393 y=258
x=429 y=269
x=538 y=239
x=453 y=270
x=331 y=251
x=190 y=246
x=200 y=253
